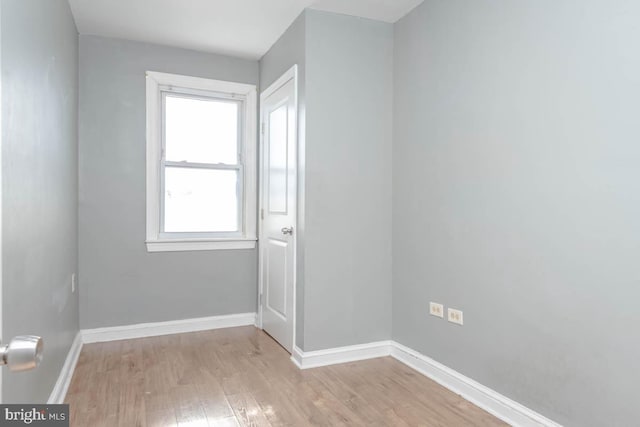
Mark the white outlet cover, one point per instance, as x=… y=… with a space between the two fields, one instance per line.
x=436 y=309
x=455 y=316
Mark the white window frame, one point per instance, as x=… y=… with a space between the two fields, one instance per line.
x=157 y=241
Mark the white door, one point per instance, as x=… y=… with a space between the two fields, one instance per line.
x=278 y=179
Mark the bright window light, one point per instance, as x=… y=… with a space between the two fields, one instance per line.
x=201 y=130
x=200 y=200
x=201 y=166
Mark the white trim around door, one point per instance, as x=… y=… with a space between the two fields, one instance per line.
x=289 y=75
x=1 y=401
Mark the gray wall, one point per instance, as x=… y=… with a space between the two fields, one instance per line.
x=120 y=283
x=39 y=188
x=517 y=199
x=288 y=51
x=344 y=234
x=349 y=68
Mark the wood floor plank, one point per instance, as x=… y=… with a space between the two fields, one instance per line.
x=214 y=401
x=247 y=410
x=241 y=377
x=159 y=410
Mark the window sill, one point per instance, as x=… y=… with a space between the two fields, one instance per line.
x=175 y=245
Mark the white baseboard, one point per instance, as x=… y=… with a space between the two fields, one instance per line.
x=61 y=386
x=491 y=401
x=333 y=356
x=296 y=356
x=143 y=330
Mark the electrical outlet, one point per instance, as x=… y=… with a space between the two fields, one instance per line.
x=455 y=316
x=436 y=309
x=73 y=283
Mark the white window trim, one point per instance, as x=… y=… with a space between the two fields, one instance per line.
x=154 y=153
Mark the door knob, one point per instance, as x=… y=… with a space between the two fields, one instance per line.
x=23 y=353
x=287 y=230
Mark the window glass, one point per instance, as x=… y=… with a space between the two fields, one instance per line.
x=201 y=130
x=200 y=200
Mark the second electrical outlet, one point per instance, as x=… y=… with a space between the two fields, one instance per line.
x=454 y=316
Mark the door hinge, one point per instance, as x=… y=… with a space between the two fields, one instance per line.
x=262 y=128
x=260 y=299
x=261 y=213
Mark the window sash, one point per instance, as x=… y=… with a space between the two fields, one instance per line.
x=239 y=166
x=205 y=96
x=203 y=234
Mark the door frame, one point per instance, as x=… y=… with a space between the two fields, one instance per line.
x=1 y=368
x=290 y=74
x=1 y=108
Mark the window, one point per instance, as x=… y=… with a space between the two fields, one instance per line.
x=201 y=164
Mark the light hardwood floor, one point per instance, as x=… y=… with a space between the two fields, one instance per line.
x=240 y=376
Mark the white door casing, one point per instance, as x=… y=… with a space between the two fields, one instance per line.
x=1 y=401
x=278 y=208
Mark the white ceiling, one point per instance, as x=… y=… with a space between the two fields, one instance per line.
x=244 y=28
